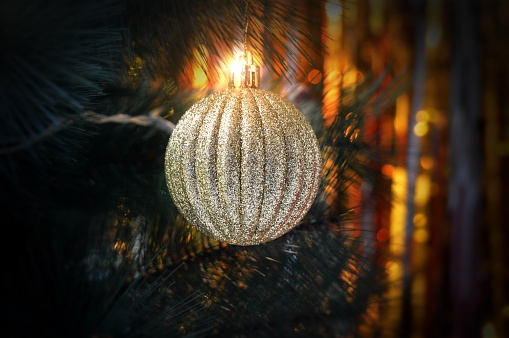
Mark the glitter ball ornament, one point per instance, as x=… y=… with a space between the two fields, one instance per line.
x=243 y=165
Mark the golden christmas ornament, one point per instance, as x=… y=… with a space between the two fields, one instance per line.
x=243 y=165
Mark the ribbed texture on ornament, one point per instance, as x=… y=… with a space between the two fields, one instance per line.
x=243 y=166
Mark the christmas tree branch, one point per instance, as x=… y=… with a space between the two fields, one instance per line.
x=6 y=147
x=152 y=119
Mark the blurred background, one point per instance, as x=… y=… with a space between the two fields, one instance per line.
x=406 y=237
x=450 y=154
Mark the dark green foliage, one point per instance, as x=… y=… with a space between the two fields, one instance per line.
x=56 y=58
x=63 y=290
x=100 y=249
x=305 y=283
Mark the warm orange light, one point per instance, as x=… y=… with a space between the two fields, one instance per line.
x=314 y=76
x=401 y=120
x=352 y=133
x=426 y=162
x=387 y=170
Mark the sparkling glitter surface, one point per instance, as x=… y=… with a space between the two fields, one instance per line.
x=243 y=166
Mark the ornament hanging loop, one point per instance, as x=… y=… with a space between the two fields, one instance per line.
x=246 y=26
x=243 y=72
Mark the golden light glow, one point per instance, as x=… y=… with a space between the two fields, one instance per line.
x=394 y=293
x=398 y=210
x=332 y=99
x=330 y=186
x=351 y=77
x=136 y=66
x=222 y=81
x=120 y=246
x=200 y=79
x=331 y=63
x=240 y=61
x=421 y=235
x=244 y=73
x=420 y=220
x=352 y=133
x=421 y=129
x=401 y=120
x=422 y=189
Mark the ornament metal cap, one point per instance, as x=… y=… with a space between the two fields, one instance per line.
x=244 y=73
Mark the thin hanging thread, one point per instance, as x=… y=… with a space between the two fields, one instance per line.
x=246 y=25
